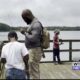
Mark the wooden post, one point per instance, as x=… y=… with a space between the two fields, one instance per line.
x=70 y=50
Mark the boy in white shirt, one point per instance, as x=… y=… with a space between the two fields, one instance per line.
x=15 y=55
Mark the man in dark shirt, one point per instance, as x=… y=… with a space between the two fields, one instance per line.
x=33 y=42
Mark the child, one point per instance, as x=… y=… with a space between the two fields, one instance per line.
x=56 y=49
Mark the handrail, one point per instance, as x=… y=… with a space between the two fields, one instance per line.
x=70 y=50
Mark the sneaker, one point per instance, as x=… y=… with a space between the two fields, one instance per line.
x=60 y=63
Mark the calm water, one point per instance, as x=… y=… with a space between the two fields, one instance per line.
x=63 y=35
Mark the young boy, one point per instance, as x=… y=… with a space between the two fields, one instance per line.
x=56 y=49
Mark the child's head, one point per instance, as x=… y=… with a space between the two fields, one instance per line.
x=57 y=31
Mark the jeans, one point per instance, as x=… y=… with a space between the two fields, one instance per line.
x=15 y=74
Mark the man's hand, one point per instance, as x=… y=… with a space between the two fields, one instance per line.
x=22 y=31
x=3 y=60
x=43 y=55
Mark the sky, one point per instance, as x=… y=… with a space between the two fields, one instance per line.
x=49 y=12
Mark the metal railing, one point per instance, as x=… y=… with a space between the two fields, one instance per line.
x=70 y=50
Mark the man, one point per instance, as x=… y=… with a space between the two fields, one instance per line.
x=56 y=49
x=15 y=55
x=33 y=42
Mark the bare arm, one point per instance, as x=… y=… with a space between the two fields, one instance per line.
x=26 y=58
x=3 y=58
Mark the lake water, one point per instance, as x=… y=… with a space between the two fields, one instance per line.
x=63 y=35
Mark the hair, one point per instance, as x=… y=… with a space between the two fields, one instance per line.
x=12 y=34
x=56 y=31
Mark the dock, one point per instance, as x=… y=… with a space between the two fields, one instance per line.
x=48 y=70
x=63 y=71
x=52 y=71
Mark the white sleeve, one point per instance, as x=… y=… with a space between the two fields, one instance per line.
x=3 y=53
x=24 y=50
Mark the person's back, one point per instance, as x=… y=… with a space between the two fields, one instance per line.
x=15 y=56
x=13 y=53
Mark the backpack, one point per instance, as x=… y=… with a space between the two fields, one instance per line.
x=45 y=42
x=45 y=38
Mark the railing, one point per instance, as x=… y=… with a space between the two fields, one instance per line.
x=70 y=50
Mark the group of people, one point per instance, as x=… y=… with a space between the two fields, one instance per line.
x=23 y=59
x=20 y=59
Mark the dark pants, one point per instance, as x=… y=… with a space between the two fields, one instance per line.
x=56 y=53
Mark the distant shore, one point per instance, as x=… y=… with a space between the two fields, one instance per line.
x=48 y=28
x=64 y=28
x=5 y=27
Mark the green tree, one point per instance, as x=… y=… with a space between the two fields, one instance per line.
x=4 y=27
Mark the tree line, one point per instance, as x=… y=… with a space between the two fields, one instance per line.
x=5 y=27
